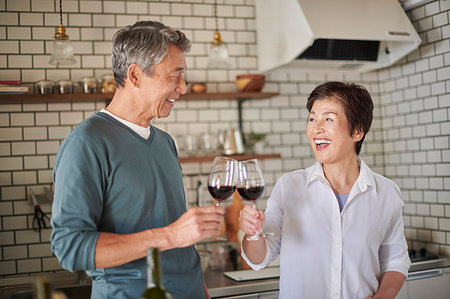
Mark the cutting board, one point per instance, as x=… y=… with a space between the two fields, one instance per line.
x=245 y=275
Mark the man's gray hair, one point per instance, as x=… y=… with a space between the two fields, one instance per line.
x=146 y=44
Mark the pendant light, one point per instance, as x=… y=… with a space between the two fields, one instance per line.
x=62 y=47
x=218 y=53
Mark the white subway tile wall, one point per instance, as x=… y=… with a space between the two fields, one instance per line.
x=408 y=141
x=412 y=94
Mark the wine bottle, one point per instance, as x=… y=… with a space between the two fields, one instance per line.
x=41 y=288
x=155 y=288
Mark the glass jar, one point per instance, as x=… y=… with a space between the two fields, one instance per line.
x=45 y=86
x=65 y=86
x=90 y=84
x=108 y=84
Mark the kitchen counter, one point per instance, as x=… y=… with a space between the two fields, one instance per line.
x=221 y=286
x=218 y=284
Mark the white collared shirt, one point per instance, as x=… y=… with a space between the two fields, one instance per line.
x=325 y=253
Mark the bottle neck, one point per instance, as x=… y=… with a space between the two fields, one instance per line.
x=153 y=269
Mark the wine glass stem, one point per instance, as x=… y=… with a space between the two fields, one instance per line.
x=217 y=203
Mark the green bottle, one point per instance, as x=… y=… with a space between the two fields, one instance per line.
x=155 y=287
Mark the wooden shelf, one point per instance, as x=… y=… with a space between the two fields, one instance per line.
x=95 y=97
x=237 y=157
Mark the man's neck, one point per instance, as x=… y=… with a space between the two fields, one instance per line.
x=124 y=106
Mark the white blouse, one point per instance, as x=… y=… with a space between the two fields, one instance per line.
x=325 y=253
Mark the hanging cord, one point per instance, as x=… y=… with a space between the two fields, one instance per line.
x=215 y=15
x=60 y=11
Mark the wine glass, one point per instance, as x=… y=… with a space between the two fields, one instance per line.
x=251 y=186
x=222 y=179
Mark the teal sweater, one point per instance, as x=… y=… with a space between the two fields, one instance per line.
x=109 y=179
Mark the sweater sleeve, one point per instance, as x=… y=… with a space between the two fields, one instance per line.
x=77 y=205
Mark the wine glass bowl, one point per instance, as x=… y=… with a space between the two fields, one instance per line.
x=222 y=178
x=222 y=181
x=250 y=185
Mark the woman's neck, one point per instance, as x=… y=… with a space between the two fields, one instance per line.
x=342 y=175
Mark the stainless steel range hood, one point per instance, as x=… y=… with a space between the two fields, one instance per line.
x=352 y=35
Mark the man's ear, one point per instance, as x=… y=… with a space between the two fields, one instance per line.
x=134 y=75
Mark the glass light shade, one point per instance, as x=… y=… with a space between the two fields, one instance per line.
x=218 y=54
x=218 y=57
x=62 y=52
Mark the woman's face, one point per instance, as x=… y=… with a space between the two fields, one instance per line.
x=328 y=132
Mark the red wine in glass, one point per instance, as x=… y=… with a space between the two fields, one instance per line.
x=221 y=193
x=251 y=193
x=251 y=186
x=222 y=180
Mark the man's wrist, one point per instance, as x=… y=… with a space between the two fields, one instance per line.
x=160 y=238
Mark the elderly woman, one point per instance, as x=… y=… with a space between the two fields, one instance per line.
x=337 y=225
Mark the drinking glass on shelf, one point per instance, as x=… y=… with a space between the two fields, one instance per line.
x=251 y=186
x=222 y=179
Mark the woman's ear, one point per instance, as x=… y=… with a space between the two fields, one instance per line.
x=358 y=134
x=134 y=75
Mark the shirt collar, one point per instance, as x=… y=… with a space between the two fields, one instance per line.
x=365 y=179
x=144 y=132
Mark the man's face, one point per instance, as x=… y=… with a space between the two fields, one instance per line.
x=160 y=91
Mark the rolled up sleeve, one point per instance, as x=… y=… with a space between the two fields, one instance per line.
x=393 y=252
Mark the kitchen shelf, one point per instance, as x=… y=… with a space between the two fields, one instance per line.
x=241 y=97
x=239 y=157
x=94 y=97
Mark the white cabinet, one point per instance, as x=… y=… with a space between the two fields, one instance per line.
x=269 y=295
x=437 y=287
x=429 y=284
x=249 y=296
x=263 y=295
x=403 y=294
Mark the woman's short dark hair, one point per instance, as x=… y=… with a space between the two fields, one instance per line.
x=146 y=44
x=355 y=99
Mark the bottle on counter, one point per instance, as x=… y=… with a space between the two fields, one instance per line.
x=42 y=288
x=155 y=288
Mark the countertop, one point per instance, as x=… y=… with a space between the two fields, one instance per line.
x=217 y=283
x=221 y=286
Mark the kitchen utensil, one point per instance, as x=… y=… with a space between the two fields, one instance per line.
x=250 y=82
x=40 y=220
x=244 y=275
x=233 y=143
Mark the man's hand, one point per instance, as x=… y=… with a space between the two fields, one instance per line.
x=196 y=224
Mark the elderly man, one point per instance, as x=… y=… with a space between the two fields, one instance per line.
x=118 y=182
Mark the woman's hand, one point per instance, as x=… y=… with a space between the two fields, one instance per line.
x=251 y=220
